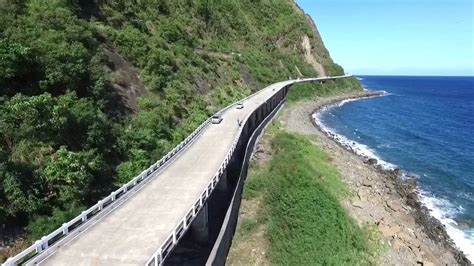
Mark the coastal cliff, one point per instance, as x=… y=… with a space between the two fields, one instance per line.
x=374 y=217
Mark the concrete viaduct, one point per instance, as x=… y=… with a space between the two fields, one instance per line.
x=143 y=221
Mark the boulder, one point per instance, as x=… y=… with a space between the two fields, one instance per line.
x=372 y=161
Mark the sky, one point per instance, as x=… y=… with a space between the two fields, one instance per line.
x=397 y=37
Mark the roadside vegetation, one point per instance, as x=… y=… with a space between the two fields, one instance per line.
x=295 y=213
x=291 y=212
x=300 y=92
x=92 y=92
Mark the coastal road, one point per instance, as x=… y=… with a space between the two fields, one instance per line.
x=131 y=233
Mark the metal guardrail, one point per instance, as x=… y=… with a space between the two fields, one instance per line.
x=172 y=240
x=75 y=224
x=79 y=221
x=222 y=244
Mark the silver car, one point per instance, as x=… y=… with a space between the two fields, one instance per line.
x=216 y=119
x=239 y=106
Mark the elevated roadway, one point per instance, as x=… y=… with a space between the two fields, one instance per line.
x=133 y=229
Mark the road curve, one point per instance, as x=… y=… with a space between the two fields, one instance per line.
x=131 y=233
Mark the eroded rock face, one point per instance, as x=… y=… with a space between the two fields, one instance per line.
x=125 y=79
x=310 y=58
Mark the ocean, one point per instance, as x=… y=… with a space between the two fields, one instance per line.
x=424 y=126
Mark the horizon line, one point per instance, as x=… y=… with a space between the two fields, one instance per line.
x=414 y=75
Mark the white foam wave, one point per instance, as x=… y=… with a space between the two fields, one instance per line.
x=354 y=146
x=346 y=101
x=385 y=145
x=443 y=210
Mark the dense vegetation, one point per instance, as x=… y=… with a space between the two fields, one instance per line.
x=303 y=91
x=71 y=127
x=303 y=219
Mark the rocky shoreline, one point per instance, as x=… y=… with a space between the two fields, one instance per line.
x=384 y=197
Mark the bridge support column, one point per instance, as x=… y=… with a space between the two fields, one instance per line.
x=245 y=129
x=223 y=184
x=200 y=226
x=253 y=122
x=259 y=116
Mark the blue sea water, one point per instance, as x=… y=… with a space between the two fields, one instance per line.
x=425 y=126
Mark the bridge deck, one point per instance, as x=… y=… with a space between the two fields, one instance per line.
x=131 y=233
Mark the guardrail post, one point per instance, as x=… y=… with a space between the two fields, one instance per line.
x=185 y=224
x=39 y=246
x=44 y=243
x=65 y=229
x=160 y=254
x=84 y=216
x=174 y=238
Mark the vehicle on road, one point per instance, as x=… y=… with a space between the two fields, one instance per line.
x=240 y=106
x=216 y=119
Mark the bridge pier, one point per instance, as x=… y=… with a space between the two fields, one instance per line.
x=259 y=114
x=200 y=226
x=252 y=122
x=223 y=184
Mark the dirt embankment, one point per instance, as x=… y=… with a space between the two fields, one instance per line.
x=380 y=198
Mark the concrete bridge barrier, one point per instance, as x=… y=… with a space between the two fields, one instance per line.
x=59 y=246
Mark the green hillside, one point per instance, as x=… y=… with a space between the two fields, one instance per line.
x=92 y=92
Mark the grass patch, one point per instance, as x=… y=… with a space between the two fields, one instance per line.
x=301 y=191
x=247 y=225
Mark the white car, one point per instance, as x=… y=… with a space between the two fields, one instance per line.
x=216 y=119
x=239 y=106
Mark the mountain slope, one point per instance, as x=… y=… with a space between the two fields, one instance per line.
x=92 y=92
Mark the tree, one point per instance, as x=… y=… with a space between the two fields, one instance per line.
x=18 y=68
x=68 y=175
x=19 y=193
